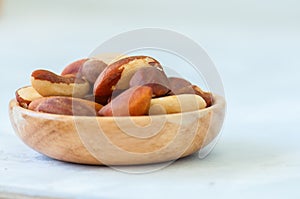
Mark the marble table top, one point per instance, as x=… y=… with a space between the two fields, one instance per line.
x=239 y=166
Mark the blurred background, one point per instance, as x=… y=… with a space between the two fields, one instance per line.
x=254 y=44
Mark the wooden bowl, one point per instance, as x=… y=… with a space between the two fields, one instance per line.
x=118 y=140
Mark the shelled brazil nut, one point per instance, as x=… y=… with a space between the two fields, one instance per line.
x=130 y=86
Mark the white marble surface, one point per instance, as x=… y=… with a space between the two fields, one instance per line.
x=255 y=46
x=242 y=165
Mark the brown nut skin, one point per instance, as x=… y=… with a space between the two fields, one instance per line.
x=103 y=99
x=178 y=83
x=118 y=74
x=47 y=83
x=207 y=96
x=91 y=69
x=153 y=77
x=100 y=100
x=115 y=94
x=35 y=103
x=65 y=106
x=74 y=68
x=193 y=89
x=132 y=102
x=184 y=90
x=26 y=95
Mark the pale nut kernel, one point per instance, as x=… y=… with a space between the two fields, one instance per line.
x=176 y=104
x=26 y=95
x=47 y=83
x=65 y=106
x=118 y=74
x=193 y=89
x=132 y=102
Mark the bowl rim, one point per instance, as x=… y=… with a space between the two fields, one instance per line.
x=218 y=101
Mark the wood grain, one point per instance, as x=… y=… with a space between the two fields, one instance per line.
x=118 y=140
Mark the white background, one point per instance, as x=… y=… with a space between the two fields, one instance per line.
x=255 y=46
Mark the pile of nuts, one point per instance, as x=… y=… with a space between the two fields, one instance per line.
x=131 y=86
